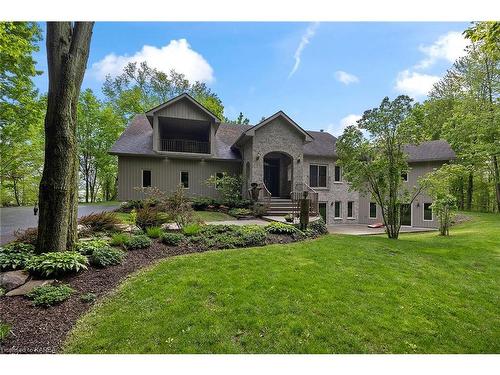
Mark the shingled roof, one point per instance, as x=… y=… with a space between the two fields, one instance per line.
x=137 y=140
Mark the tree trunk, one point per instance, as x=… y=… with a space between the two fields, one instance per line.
x=496 y=173
x=470 y=189
x=16 y=191
x=67 y=54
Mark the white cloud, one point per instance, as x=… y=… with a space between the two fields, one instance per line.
x=449 y=47
x=177 y=55
x=415 y=84
x=345 y=78
x=338 y=129
x=304 y=41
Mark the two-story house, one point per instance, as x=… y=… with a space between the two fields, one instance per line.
x=181 y=142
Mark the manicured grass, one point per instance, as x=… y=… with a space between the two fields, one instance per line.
x=337 y=294
x=202 y=215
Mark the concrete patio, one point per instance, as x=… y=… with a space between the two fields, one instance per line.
x=363 y=230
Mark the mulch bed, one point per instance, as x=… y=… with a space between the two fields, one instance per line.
x=43 y=330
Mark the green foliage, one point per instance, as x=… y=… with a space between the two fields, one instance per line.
x=317 y=228
x=229 y=236
x=178 y=207
x=154 y=232
x=5 y=331
x=238 y=212
x=240 y=120
x=119 y=239
x=191 y=229
x=227 y=185
x=138 y=242
x=202 y=203
x=373 y=164
x=172 y=239
x=56 y=264
x=148 y=217
x=2 y=293
x=129 y=205
x=15 y=256
x=259 y=210
x=49 y=295
x=133 y=217
x=102 y=221
x=88 y=297
x=106 y=256
x=281 y=228
x=29 y=235
x=88 y=247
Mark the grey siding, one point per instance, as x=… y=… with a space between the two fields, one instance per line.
x=183 y=109
x=165 y=174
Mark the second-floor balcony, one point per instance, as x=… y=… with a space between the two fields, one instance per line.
x=184 y=145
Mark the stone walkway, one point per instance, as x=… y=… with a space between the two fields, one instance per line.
x=363 y=230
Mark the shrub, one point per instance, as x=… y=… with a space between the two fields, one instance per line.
x=239 y=212
x=119 y=239
x=138 y=242
x=172 y=239
x=149 y=217
x=237 y=203
x=4 y=331
x=57 y=263
x=106 y=256
x=125 y=206
x=88 y=247
x=229 y=236
x=318 y=227
x=281 y=228
x=49 y=295
x=29 y=235
x=201 y=203
x=88 y=297
x=154 y=232
x=179 y=208
x=259 y=210
x=15 y=256
x=102 y=221
x=191 y=229
x=229 y=186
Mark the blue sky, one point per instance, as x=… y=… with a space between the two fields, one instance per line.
x=323 y=75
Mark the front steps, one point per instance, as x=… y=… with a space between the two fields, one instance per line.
x=280 y=207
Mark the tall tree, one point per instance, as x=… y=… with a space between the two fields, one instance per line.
x=68 y=47
x=240 y=120
x=374 y=164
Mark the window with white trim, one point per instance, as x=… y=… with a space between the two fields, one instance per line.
x=185 y=179
x=427 y=211
x=338 y=210
x=317 y=175
x=146 y=178
x=373 y=210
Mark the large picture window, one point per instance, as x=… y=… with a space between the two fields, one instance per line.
x=373 y=210
x=428 y=211
x=185 y=179
x=146 y=178
x=317 y=175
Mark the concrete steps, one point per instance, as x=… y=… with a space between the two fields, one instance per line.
x=280 y=207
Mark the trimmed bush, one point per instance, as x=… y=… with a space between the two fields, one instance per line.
x=119 y=239
x=98 y=222
x=201 y=203
x=57 y=263
x=259 y=210
x=106 y=256
x=172 y=239
x=88 y=297
x=239 y=212
x=15 y=256
x=138 y=242
x=49 y=295
x=149 y=217
x=191 y=229
x=125 y=206
x=229 y=236
x=88 y=247
x=29 y=235
x=281 y=228
x=318 y=227
x=154 y=232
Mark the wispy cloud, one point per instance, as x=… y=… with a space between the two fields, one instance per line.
x=338 y=128
x=345 y=78
x=177 y=55
x=415 y=84
x=304 y=41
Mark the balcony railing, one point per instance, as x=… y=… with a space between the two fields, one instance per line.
x=184 y=145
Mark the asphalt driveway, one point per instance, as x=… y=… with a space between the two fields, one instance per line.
x=13 y=218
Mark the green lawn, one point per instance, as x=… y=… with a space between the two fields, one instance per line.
x=202 y=215
x=337 y=294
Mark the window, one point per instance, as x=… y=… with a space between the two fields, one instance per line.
x=338 y=174
x=185 y=179
x=146 y=178
x=338 y=210
x=404 y=176
x=218 y=176
x=427 y=212
x=317 y=175
x=373 y=210
x=350 y=209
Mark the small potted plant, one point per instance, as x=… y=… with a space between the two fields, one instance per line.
x=289 y=218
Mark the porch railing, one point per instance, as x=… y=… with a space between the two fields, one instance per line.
x=298 y=194
x=264 y=196
x=184 y=145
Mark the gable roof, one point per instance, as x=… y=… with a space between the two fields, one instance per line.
x=184 y=96
x=439 y=150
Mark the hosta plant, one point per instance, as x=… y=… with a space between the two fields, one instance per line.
x=57 y=263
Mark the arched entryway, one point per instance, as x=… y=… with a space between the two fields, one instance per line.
x=278 y=173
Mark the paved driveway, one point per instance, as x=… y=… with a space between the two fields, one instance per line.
x=13 y=218
x=363 y=230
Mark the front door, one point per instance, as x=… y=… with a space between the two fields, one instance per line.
x=272 y=176
x=406 y=214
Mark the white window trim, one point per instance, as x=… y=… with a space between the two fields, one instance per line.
x=353 y=215
x=340 y=210
x=423 y=212
x=370 y=211
x=341 y=175
x=150 y=177
x=180 y=179
x=326 y=177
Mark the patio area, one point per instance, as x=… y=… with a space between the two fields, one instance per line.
x=363 y=230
